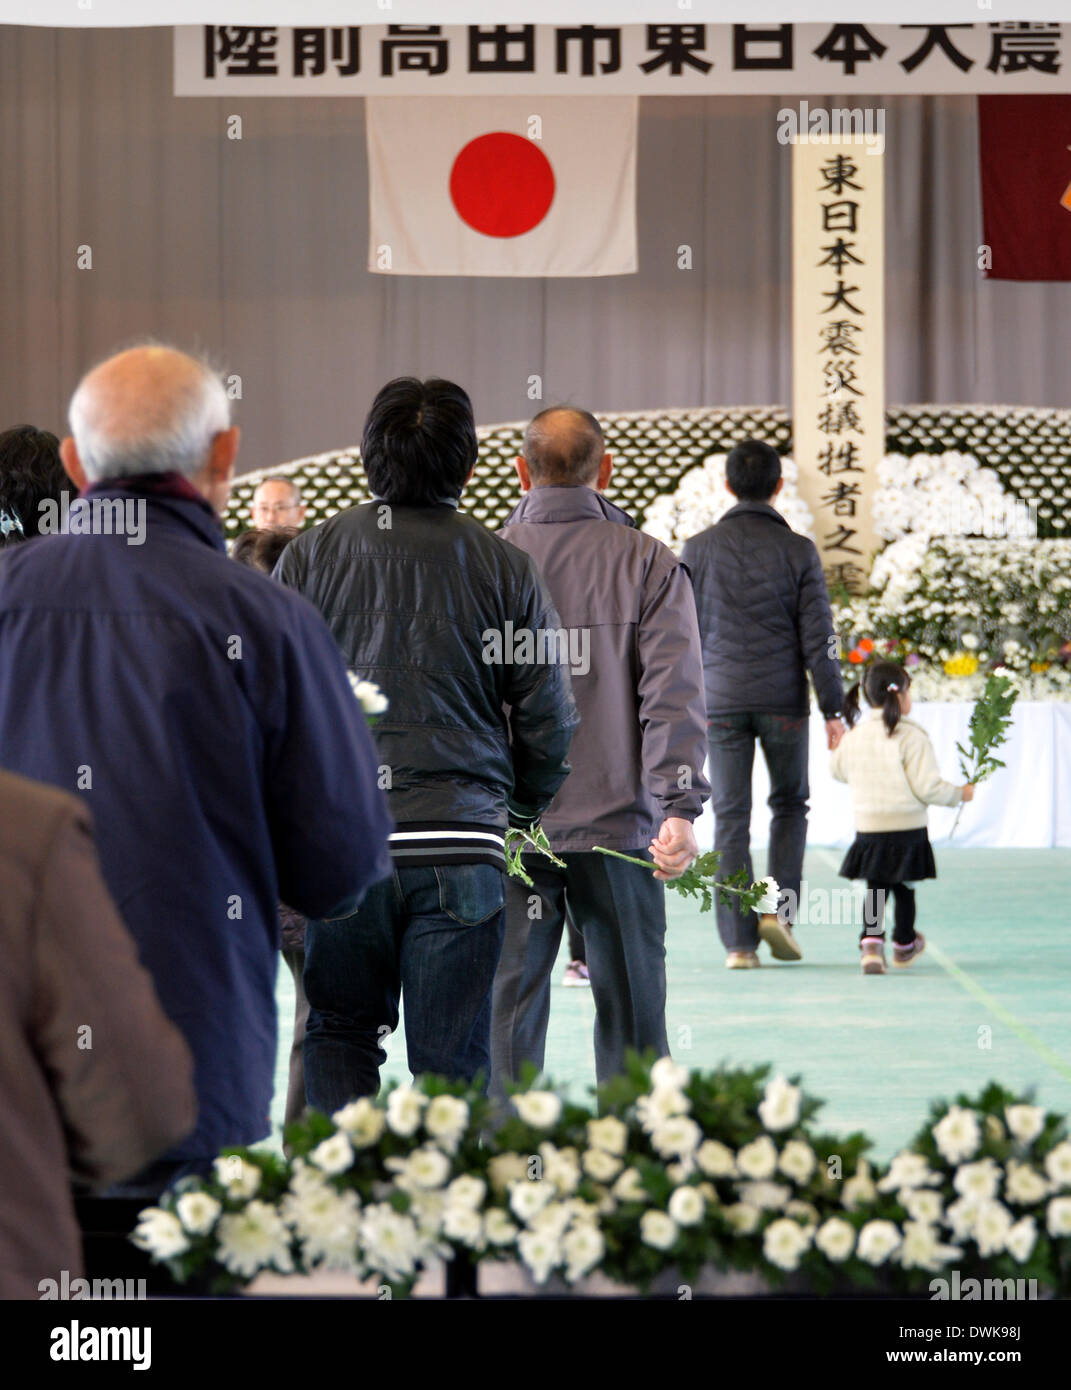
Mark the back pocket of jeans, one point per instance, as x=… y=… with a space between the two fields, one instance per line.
x=470 y=893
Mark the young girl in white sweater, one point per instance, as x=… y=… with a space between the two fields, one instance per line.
x=889 y=763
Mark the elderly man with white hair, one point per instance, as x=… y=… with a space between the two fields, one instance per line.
x=205 y=716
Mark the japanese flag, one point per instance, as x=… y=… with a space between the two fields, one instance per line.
x=502 y=185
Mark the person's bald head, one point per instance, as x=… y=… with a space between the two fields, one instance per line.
x=151 y=409
x=564 y=447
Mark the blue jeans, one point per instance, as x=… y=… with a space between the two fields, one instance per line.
x=783 y=739
x=430 y=936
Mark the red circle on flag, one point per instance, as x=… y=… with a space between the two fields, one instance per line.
x=501 y=184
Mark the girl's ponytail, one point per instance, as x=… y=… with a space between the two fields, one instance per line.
x=882 y=686
x=890 y=708
x=851 y=705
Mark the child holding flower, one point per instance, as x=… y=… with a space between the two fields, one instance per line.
x=889 y=763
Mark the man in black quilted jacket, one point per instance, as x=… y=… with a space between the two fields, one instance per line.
x=421 y=599
x=765 y=622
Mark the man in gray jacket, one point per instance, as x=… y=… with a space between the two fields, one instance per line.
x=637 y=781
x=766 y=622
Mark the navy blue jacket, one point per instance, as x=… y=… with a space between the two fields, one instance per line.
x=204 y=713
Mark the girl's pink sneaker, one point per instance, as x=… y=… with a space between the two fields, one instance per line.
x=904 y=955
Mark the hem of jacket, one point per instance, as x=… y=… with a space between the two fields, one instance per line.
x=880 y=825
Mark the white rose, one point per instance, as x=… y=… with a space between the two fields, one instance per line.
x=797 y=1161
x=404 y=1110
x=963 y=1215
x=679 y=1135
x=198 y=1211
x=1024 y=1185
x=958 y=1134
x=668 y=1075
x=1058 y=1164
x=363 y=1122
x=784 y=1241
x=1025 y=1122
x=540 y=1109
x=608 y=1134
x=160 y=1233
x=878 y=1240
x=660 y=1106
x=657 y=1229
x=686 y=1206
x=1021 y=1239
x=835 y=1238
x=991 y=1227
x=1058 y=1216
x=981 y=1179
x=600 y=1165
x=333 y=1155
x=921 y=1205
x=780 y=1105
x=446 y=1119
x=715 y=1159
x=757 y=1159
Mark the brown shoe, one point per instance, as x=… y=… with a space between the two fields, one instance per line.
x=742 y=960
x=778 y=936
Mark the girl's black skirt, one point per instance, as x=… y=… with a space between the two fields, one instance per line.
x=890 y=856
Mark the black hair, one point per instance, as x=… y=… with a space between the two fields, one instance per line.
x=753 y=470
x=30 y=473
x=564 y=457
x=260 y=550
x=882 y=684
x=419 y=444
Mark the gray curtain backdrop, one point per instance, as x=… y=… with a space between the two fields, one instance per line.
x=255 y=251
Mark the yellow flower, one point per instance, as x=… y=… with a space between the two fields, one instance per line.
x=962 y=664
x=1040 y=665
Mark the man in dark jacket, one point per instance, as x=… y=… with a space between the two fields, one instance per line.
x=765 y=619
x=637 y=782
x=432 y=608
x=203 y=713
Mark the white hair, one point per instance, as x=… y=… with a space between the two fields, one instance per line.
x=177 y=437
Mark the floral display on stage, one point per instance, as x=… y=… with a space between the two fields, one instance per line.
x=676 y=1170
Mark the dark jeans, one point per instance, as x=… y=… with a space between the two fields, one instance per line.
x=430 y=936
x=620 y=910
x=783 y=739
x=903 y=918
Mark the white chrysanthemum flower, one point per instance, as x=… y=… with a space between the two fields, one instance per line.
x=1025 y=1122
x=962 y=1215
x=252 y=1239
x=922 y=1247
x=540 y=1251
x=835 y=1238
x=768 y=1196
x=333 y=1155
x=498 y=1228
x=238 y=1178
x=1058 y=1164
x=540 y=1109
x=658 y=1230
x=680 y=1170
x=600 y=1165
x=552 y=1219
x=958 y=1134
x=921 y=1204
x=629 y=1187
x=370 y=697
x=742 y=1217
x=771 y=898
x=528 y=1198
x=668 y=1075
x=446 y=1120
x=715 y=1159
x=980 y=1179
x=160 y=1233
x=1021 y=1239
x=686 y=1206
x=878 y=1241
x=327 y=1222
x=784 y=1242
x=609 y=1134
x=797 y=1161
x=859 y=1190
x=466 y=1191
x=1058 y=1217
x=660 y=1106
x=679 y=1135
x=909 y=1170
x=561 y=1167
x=362 y=1121
x=425 y=1169
x=583 y=1247
x=405 y=1109
x=507 y=1168
x=198 y=1211
x=991 y=1227
x=757 y=1159
x=463 y=1224
x=780 y=1106
x=1024 y=1185
x=391 y=1241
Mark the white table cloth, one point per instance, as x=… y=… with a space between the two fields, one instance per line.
x=1025 y=806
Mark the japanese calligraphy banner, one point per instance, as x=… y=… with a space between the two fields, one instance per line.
x=1015 y=56
x=487 y=187
x=838 y=347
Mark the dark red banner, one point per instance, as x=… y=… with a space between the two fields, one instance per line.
x=1025 y=150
